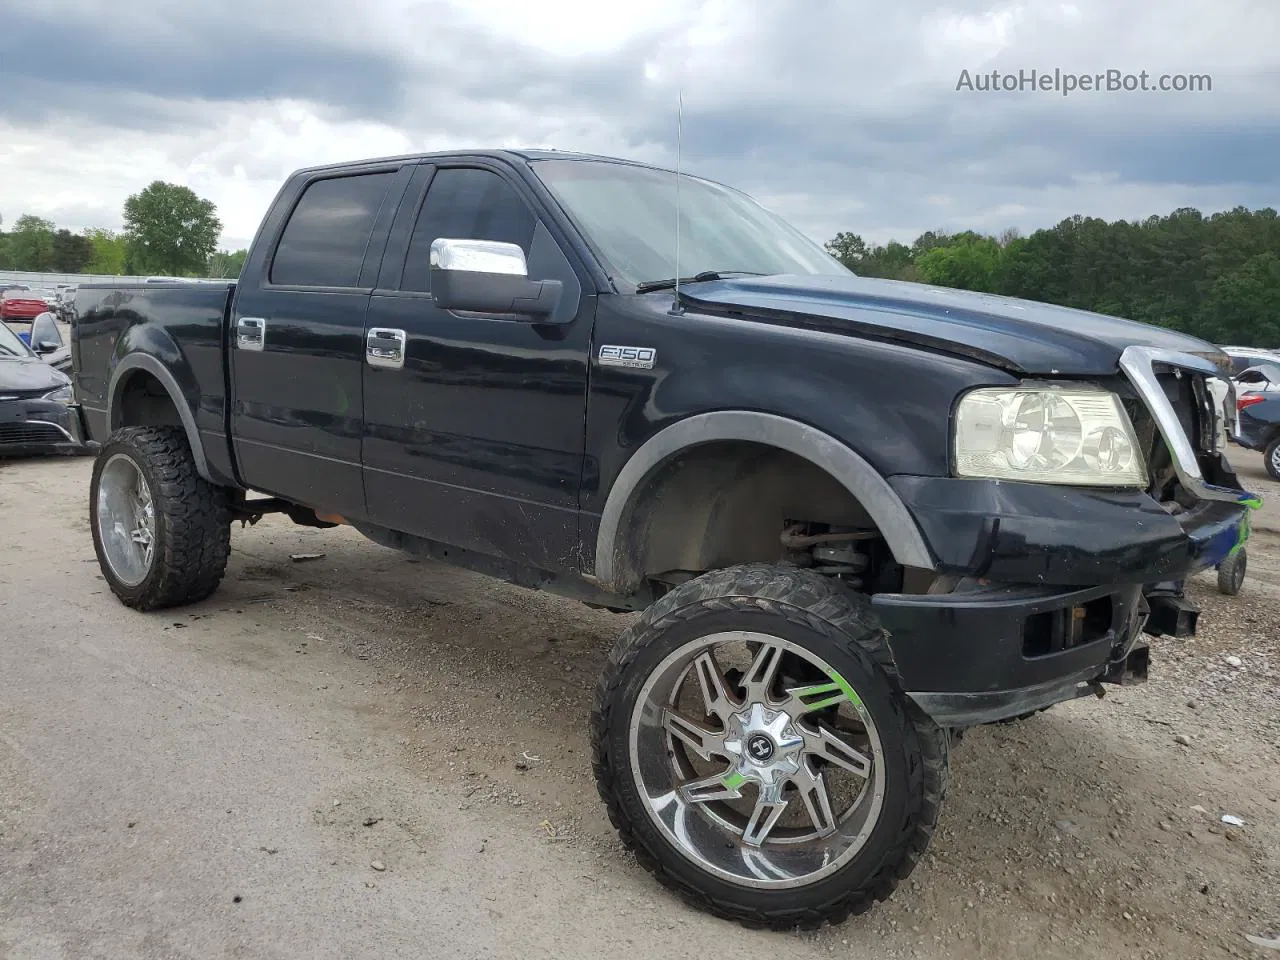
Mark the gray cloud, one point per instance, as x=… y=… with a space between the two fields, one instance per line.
x=58 y=64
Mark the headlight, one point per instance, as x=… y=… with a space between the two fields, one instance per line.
x=1048 y=433
x=63 y=394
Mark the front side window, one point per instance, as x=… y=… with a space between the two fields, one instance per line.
x=324 y=242
x=628 y=213
x=465 y=203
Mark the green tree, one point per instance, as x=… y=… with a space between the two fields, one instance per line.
x=71 y=251
x=969 y=262
x=31 y=244
x=892 y=261
x=227 y=264
x=1244 y=306
x=110 y=252
x=848 y=248
x=170 y=230
x=1215 y=277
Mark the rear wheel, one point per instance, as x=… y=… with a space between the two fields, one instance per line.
x=755 y=752
x=162 y=533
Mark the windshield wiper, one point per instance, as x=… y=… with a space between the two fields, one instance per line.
x=650 y=285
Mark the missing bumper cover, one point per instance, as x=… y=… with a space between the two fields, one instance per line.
x=1171 y=616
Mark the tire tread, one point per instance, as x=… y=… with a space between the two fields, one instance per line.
x=195 y=514
x=820 y=604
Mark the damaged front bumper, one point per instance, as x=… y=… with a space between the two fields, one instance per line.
x=993 y=652
x=1044 y=592
x=994 y=646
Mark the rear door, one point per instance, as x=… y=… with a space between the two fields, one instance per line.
x=476 y=439
x=297 y=337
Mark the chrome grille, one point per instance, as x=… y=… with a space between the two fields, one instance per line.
x=1175 y=393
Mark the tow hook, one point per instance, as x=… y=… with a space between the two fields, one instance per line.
x=1130 y=671
x=1171 y=616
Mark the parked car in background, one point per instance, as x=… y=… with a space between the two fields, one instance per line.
x=1264 y=378
x=66 y=296
x=1259 y=414
x=35 y=403
x=1242 y=358
x=21 y=305
x=45 y=340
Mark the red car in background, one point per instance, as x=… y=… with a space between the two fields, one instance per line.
x=18 y=304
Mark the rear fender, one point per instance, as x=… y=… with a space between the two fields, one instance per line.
x=184 y=400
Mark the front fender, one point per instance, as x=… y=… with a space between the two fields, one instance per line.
x=853 y=472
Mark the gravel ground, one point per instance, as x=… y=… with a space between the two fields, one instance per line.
x=372 y=755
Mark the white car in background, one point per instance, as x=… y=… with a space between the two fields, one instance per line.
x=1242 y=358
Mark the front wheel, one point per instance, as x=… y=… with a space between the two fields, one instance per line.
x=754 y=749
x=1272 y=458
x=161 y=532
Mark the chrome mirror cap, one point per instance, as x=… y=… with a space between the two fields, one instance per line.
x=478 y=256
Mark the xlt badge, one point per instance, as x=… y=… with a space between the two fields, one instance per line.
x=640 y=357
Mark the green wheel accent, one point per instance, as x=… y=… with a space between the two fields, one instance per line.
x=733 y=780
x=822 y=695
x=1246 y=523
x=847 y=689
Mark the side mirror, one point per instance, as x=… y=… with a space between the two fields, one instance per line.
x=45 y=337
x=485 y=276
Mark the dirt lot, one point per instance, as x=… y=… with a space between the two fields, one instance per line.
x=227 y=780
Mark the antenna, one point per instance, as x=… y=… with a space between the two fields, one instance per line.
x=675 y=304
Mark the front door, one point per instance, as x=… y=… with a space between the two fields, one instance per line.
x=476 y=441
x=297 y=340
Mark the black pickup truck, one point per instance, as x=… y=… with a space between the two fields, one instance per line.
x=858 y=515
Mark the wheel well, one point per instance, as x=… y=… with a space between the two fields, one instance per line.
x=724 y=503
x=144 y=402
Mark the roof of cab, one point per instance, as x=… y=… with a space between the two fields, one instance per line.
x=505 y=154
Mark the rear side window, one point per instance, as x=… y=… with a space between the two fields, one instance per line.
x=324 y=242
x=466 y=204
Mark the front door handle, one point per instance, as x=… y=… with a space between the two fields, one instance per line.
x=384 y=347
x=251 y=333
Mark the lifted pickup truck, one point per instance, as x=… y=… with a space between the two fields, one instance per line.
x=858 y=515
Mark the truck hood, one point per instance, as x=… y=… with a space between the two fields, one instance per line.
x=1021 y=336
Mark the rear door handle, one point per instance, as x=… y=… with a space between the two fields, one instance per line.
x=251 y=333
x=384 y=347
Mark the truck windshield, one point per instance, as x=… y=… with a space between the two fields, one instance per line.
x=628 y=213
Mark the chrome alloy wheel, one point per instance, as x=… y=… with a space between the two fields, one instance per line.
x=126 y=520
x=757 y=760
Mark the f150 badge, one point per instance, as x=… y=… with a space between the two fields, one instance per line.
x=639 y=357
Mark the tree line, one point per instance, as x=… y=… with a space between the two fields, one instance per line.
x=168 y=230
x=1215 y=277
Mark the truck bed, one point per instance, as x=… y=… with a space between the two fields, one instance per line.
x=180 y=323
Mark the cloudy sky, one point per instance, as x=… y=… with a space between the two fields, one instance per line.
x=839 y=114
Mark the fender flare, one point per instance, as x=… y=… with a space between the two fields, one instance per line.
x=148 y=363
x=853 y=472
